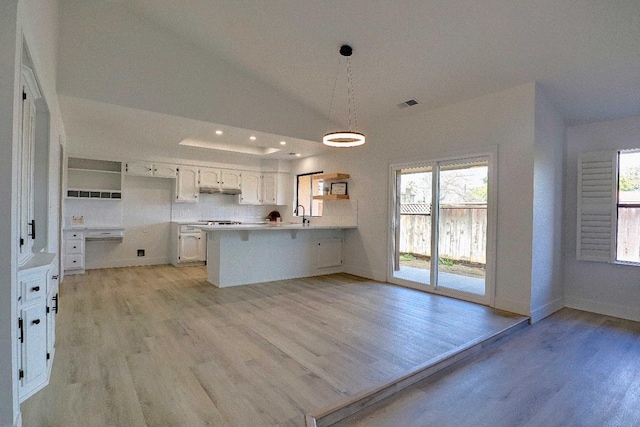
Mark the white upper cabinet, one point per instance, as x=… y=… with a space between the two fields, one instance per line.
x=250 y=188
x=230 y=179
x=158 y=170
x=138 y=168
x=187 y=184
x=269 y=194
x=263 y=188
x=225 y=179
x=163 y=170
x=209 y=177
x=30 y=93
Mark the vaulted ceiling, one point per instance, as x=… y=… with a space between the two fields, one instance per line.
x=585 y=54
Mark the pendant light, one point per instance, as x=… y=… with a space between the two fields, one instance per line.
x=348 y=138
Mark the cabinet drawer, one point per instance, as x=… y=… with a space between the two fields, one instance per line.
x=73 y=247
x=33 y=285
x=189 y=229
x=73 y=262
x=73 y=235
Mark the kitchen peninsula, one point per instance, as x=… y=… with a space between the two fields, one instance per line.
x=243 y=254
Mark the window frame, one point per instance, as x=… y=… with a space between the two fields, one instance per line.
x=310 y=212
x=619 y=205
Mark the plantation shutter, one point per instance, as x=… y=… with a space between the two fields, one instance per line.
x=597 y=189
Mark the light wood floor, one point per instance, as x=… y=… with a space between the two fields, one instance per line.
x=571 y=369
x=159 y=346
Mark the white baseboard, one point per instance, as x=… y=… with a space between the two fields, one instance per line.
x=584 y=304
x=378 y=276
x=546 y=310
x=512 y=306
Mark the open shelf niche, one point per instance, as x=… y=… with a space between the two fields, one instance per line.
x=331 y=177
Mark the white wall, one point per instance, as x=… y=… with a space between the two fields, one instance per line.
x=115 y=57
x=9 y=61
x=546 y=271
x=594 y=286
x=504 y=119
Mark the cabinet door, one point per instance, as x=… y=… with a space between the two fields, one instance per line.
x=209 y=177
x=33 y=348
x=187 y=184
x=189 y=248
x=25 y=178
x=161 y=170
x=269 y=189
x=329 y=253
x=202 y=247
x=138 y=169
x=52 y=311
x=230 y=179
x=250 y=188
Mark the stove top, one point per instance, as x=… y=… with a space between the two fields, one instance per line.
x=220 y=222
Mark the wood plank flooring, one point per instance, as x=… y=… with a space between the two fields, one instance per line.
x=571 y=369
x=159 y=346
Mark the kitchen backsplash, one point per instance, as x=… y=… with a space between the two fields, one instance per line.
x=221 y=207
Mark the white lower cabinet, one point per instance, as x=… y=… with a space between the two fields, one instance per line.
x=188 y=245
x=37 y=308
x=73 y=255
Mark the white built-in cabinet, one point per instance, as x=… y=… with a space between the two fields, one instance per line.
x=73 y=252
x=188 y=245
x=26 y=217
x=35 y=292
x=187 y=184
x=250 y=188
x=94 y=179
x=231 y=179
x=224 y=179
x=157 y=170
x=37 y=307
x=263 y=188
x=209 y=177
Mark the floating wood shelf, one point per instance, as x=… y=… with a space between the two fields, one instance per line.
x=332 y=197
x=331 y=176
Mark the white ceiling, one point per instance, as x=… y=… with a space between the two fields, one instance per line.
x=584 y=53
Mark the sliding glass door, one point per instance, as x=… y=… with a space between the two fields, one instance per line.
x=440 y=226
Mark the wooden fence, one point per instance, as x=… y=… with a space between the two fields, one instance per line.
x=629 y=234
x=463 y=233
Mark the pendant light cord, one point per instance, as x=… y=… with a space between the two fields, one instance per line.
x=351 y=95
x=333 y=93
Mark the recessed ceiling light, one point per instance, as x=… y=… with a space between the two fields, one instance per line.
x=253 y=138
x=298 y=154
x=283 y=142
x=218 y=132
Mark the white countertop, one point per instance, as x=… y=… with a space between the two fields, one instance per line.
x=90 y=227
x=272 y=226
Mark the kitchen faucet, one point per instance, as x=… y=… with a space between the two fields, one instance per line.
x=304 y=220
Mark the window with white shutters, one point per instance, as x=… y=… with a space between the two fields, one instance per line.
x=597 y=187
x=609 y=207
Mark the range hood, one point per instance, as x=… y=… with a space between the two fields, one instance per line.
x=219 y=190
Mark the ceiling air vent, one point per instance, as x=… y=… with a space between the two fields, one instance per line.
x=409 y=103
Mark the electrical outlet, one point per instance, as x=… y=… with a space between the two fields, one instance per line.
x=77 y=220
